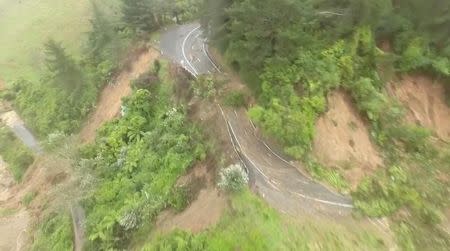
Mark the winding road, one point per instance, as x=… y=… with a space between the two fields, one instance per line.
x=278 y=181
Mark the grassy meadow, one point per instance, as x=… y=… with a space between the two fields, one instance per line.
x=26 y=25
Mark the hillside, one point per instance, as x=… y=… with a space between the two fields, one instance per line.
x=224 y=125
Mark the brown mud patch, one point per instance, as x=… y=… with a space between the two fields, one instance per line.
x=6 y=181
x=13 y=231
x=425 y=103
x=342 y=140
x=204 y=211
x=110 y=99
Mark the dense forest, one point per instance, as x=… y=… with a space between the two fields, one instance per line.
x=290 y=54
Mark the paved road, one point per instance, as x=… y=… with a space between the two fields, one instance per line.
x=186 y=45
x=280 y=183
x=12 y=120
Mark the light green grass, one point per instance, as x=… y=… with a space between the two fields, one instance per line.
x=251 y=225
x=25 y=25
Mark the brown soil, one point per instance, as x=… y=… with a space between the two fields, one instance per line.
x=342 y=140
x=10 y=118
x=425 y=103
x=6 y=181
x=13 y=231
x=110 y=99
x=204 y=211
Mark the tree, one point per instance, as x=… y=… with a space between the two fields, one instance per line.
x=139 y=15
x=101 y=34
x=63 y=71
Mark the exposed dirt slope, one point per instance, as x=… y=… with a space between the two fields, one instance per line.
x=13 y=231
x=424 y=100
x=109 y=102
x=6 y=181
x=203 y=212
x=343 y=141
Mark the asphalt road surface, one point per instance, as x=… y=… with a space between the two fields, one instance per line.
x=278 y=181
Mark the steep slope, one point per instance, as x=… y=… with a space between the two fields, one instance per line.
x=424 y=100
x=342 y=140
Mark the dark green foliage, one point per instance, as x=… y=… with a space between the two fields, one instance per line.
x=148 y=81
x=137 y=160
x=14 y=153
x=139 y=15
x=235 y=99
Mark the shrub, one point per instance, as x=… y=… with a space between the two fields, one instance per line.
x=233 y=178
x=204 y=87
x=17 y=155
x=55 y=140
x=235 y=99
x=28 y=198
x=54 y=233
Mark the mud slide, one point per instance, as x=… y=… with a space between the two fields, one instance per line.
x=425 y=101
x=110 y=99
x=13 y=231
x=342 y=140
x=205 y=211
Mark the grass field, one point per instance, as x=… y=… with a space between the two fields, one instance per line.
x=26 y=24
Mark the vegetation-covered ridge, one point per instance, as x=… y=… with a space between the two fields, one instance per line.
x=293 y=53
x=136 y=161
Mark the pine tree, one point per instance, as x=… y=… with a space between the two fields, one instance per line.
x=102 y=32
x=62 y=68
x=139 y=15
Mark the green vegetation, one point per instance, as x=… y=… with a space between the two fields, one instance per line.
x=28 y=198
x=235 y=99
x=233 y=178
x=61 y=99
x=137 y=160
x=27 y=25
x=14 y=153
x=292 y=61
x=69 y=84
x=54 y=233
x=251 y=225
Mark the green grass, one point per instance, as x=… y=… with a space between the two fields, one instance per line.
x=5 y=212
x=14 y=153
x=251 y=225
x=54 y=233
x=28 y=198
x=26 y=25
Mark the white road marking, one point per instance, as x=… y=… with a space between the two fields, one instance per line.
x=323 y=201
x=184 y=52
x=253 y=125
x=207 y=55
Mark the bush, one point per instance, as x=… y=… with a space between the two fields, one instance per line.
x=235 y=99
x=204 y=87
x=14 y=153
x=233 y=178
x=28 y=198
x=54 y=233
